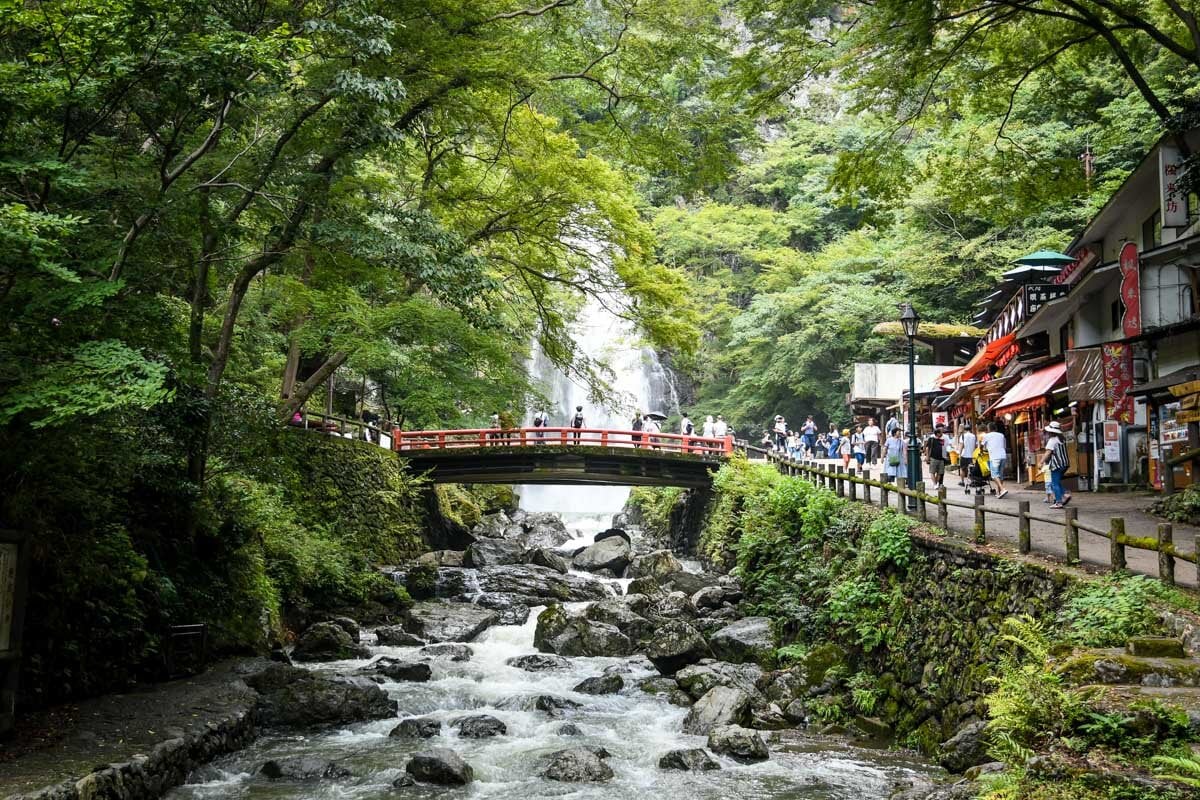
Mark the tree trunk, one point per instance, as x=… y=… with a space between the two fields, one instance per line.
x=301 y=393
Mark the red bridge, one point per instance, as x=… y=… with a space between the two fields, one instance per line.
x=563 y=455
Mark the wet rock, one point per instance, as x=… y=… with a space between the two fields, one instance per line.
x=569 y=729
x=747 y=639
x=576 y=765
x=299 y=697
x=539 y=662
x=689 y=582
x=675 y=605
x=399 y=670
x=539 y=586
x=417 y=728
x=618 y=613
x=655 y=565
x=872 y=727
x=721 y=705
x=492 y=525
x=559 y=631
x=740 y=743
x=709 y=598
x=327 y=641
x=648 y=587
x=352 y=628
x=441 y=766
x=494 y=552
x=545 y=557
x=529 y=530
x=966 y=748
x=449 y=650
x=396 y=636
x=659 y=684
x=678 y=697
x=674 y=646
x=479 y=726
x=404 y=782
x=302 y=768
x=438 y=621
x=512 y=608
x=695 y=759
x=443 y=558
x=613 y=533
x=601 y=684
x=768 y=717
x=554 y=706
x=613 y=553
x=697 y=679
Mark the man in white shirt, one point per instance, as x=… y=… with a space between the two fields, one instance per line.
x=966 y=453
x=997 y=449
x=871 y=435
x=720 y=428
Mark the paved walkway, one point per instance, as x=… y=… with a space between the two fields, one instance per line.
x=1095 y=509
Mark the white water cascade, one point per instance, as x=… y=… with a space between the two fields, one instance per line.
x=639 y=383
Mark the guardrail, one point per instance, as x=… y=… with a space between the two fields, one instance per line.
x=406 y=441
x=343 y=427
x=857 y=485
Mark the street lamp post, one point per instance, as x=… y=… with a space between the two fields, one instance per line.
x=909 y=320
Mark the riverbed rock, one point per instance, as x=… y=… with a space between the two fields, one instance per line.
x=543 y=529
x=554 y=706
x=709 y=598
x=966 y=748
x=417 y=728
x=396 y=636
x=545 y=557
x=647 y=587
x=512 y=608
x=675 y=645
x=698 y=679
x=439 y=621
x=613 y=533
x=612 y=553
x=618 y=612
x=601 y=684
x=443 y=558
x=492 y=525
x=693 y=759
x=569 y=729
x=674 y=605
x=748 y=639
x=494 y=552
x=302 y=768
x=540 y=586
x=448 y=650
x=479 y=726
x=559 y=631
x=327 y=641
x=656 y=564
x=351 y=627
x=441 y=766
x=539 y=662
x=295 y=696
x=398 y=670
x=576 y=765
x=720 y=705
x=689 y=582
x=741 y=743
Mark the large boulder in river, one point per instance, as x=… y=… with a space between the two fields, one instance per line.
x=551 y=559
x=396 y=636
x=494 y=552
x=540 y=586
x=559 y=631
x=492 y=525
x=537 y=530
x=302 y=768
x=618 y=613
x=577 y=765
x=748 y=639
x=647 y=587
x=721 y=705
x=966 y=748
x=689 y=582
x=741 y=743
x=657 y=564
x=697 y=679
x=479 y=726
x=439 y=621
x=327 y=641
x=398 y=670
x=299 y=697
x=441 y=766
x=513 y=609
x=675 y=645
x=613 y=533
x=417 y=728
x=601 y=684
x=539 y=662
x=612 y=554
x=442 y=558
x=694 y=759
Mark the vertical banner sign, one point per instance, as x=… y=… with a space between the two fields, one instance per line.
x=1170 y=170
x=1112 y=441
x=1117 y=359
x=1131 y=290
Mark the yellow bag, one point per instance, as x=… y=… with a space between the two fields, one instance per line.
x=981 y=460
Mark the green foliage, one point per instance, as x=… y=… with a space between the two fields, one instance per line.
x=736 y=483
x=1109 y=611
x=1179 y=507
x=889 y=537
x=655 y=504
x=1182 y=768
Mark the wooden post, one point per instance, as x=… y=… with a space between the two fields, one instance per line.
x=980 y=521
x=1166 y=561
x=866 y=473
x=1071 y=534
x=901 y=500
x=1116 y=550
x=852 y=486
x=922 y=512
x=1024 y=540
x=943 y=509
x=841 y=483
x=883 y=495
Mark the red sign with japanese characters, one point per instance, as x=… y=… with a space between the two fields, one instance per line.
x=1131 y=290
x=1117 y=360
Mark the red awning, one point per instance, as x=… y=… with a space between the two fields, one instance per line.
x=985 y=358
x=1031 y=390
x=949 y=377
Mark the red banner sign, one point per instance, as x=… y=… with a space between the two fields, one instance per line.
x=1131 y=290
x=1117 y=359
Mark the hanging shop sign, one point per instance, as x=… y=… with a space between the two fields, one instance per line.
x=1131 y=290
x=1184 y=417
x=1182 y=389
x=1085 y=257
x=1112 y=441
x=1171 y=196
x=1117 y=360
x=1038 y=294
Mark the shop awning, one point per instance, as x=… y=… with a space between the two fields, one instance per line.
x=985 y=357
x=1031 y=390
x=1162 y=385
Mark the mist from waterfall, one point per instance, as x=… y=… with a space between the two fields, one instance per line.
x=639 y=382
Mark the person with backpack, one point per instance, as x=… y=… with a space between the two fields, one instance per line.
x=845 y=448
x=935 y=456
x=637 y=425
x=541 y=420
x=577 y=423
x=780 y=430
x=808 y=433
x=1055 y=458
x=686 y=428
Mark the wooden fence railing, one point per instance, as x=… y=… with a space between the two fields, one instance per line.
x=341 y=426
x=563 y=437
x=858 y=485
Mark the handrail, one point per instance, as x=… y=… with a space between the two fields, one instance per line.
x=344 y=427
x=455 y=439
x=843 y=482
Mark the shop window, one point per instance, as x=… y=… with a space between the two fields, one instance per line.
x=1166 y=295
x=1152 y=231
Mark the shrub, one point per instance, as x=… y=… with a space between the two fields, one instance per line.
x=1106 y=613
x=1180 y=507
x=655 y=506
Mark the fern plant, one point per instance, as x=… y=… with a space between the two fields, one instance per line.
x=1184 y=769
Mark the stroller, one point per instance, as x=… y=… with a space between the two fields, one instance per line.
x=978 y=472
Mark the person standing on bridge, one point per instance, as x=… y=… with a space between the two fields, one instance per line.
x=639 y=423
x=720 y=428
x=686 y=428
x=808 y=433
x=781 y=430
x=541 y=420
x=710 y=427
x=871 y=435
x=577 y=423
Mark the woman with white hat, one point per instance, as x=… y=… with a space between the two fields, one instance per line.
x=1054 y=458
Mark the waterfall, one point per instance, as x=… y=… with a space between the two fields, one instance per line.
x=639 y=381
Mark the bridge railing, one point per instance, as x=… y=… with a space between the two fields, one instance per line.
x=565 y=437
x=343 y=427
